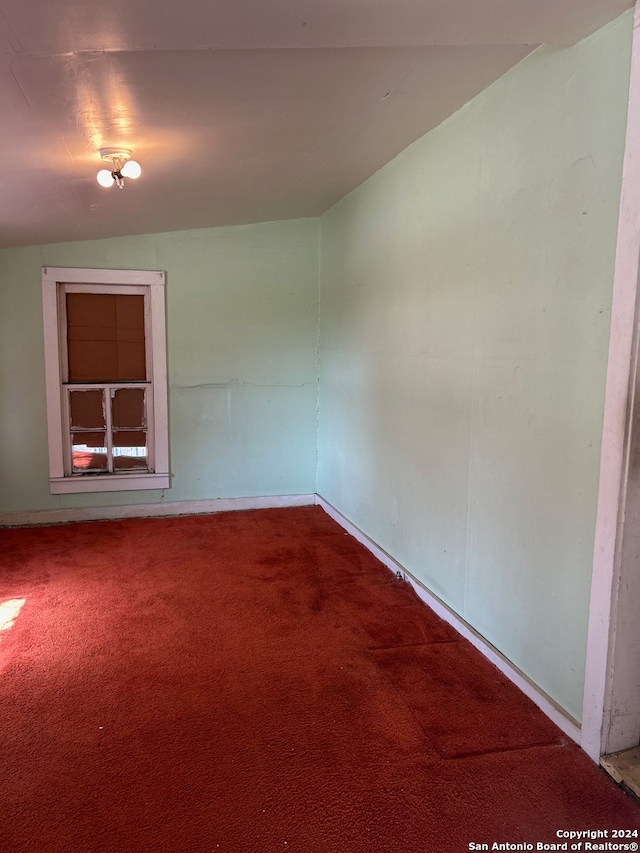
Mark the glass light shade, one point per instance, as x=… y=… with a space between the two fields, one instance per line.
x=131 y=169
x=105 y=178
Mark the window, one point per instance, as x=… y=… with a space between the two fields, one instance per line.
x=105 y=359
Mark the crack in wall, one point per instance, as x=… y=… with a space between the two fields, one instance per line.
x=235 y=383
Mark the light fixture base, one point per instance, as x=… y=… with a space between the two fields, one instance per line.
x=115 y=153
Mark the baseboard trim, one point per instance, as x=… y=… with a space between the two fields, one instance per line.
x=556 y=714
x=104 y=513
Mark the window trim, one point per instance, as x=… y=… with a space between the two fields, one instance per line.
x=54 y=353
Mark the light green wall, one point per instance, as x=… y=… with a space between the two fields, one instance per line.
x=465 y=294
x=241 y=326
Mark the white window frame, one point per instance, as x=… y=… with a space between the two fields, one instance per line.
x=54 y=281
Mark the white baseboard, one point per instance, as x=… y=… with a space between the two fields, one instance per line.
x=62 y=516
x=556 y=714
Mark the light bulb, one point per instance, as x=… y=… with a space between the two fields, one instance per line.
x=105 y=178
x=131 y=169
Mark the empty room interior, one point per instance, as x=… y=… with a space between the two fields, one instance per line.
x=318 y=484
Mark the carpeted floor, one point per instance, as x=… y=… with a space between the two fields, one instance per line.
x=256 y=681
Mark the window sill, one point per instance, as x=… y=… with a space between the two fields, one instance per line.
x=107 y=483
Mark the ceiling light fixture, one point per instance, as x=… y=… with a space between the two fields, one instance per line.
x=121 y=167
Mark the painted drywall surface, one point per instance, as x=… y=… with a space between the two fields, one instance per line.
x=465 y=294
x=241 y=334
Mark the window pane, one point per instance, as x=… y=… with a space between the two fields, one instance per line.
x=127 y=408
x=105 y=337
x=130 y=450
x=88 y=452
x=91 y=439
x=130 y=438
x=130 y=462
x=86 y=409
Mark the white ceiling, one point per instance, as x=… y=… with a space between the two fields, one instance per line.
x=238 y=110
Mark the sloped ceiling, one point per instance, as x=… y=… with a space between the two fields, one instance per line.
x=238 y=110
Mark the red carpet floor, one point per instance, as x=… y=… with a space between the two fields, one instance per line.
x=256 y=681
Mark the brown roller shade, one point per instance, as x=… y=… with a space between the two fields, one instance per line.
x=105 y=337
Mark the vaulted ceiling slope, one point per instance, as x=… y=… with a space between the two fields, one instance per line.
x=238 y=110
